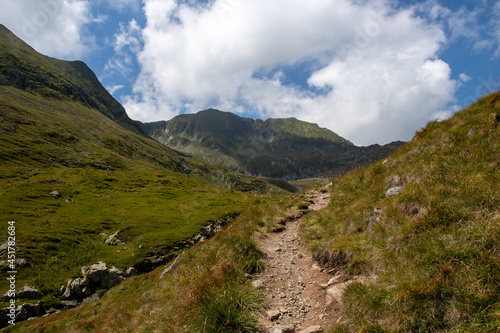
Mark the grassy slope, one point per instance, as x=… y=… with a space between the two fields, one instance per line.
x=435 y=249
x=436 y=246
x=110 y=179
x=209 y=291
x=24 y=68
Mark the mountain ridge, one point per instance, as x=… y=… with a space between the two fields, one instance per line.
x=284 y=148
x=24 y=68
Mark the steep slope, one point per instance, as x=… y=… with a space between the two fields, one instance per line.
x=74 y=170
x=279 y=148
x=24 y=68
x=422 y=230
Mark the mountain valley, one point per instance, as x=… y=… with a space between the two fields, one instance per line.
x=186 y=225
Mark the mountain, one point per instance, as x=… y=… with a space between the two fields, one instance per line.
x=411 y=243
x=75 y=171
x=288 y=149
x=24 y=68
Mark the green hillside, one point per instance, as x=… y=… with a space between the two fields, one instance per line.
x=74 y=169
x=288 y=149
x=24 y=68
x=434 y=248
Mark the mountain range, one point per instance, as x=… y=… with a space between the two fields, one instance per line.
x=287 y=149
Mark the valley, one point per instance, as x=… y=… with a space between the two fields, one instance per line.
x=216 y=223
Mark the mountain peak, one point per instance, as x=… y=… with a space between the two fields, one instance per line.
x=24 y=68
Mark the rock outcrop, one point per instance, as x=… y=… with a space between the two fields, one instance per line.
x=95 y=277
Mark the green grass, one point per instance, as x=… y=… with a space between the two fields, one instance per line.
x=109 y=179
x=209 y=291
x=436 y=247
x=155 y=211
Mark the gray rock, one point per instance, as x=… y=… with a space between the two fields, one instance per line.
x=113 y=277
x=283 y=330
x=312 y=329
x=77 y=288
x=92 y=298
x=70 y=304
x=394 y=191
x=29 y=293
x=338 y=290
x=374 y=218
x=33 y=310
x=95 y=272
x=131 y=271
x=273 y=314
x=112 y=240
x=67 y=290
x=257 y=284
x=55 y=194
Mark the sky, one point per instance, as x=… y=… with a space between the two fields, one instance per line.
x=373 y=71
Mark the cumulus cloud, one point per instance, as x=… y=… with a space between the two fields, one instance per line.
x=375 y=74
x=50 y=26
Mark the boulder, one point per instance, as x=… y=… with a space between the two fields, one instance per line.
x=55 y=194
x=26 y=311
x=95 y=272
x=113 y=277
x=131 y=271
x=112 y=240
x=312 y=329
x=78 y=288
x=29 y=293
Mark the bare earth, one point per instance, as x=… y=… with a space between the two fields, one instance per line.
x=294 y=285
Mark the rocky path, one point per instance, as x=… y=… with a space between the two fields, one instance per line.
x=294 y=285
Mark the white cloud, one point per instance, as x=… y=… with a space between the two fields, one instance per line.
x=126 y=44
x=378 y=69
x=52 y=27
x=496 y=27
x=464 y=77
x=113 y=89
x=122 y=5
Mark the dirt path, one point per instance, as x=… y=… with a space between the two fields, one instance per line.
x=294 y=285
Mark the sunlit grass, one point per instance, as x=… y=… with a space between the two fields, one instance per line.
x=435 y=248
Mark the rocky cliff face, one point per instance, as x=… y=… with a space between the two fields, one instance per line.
x=289 y=149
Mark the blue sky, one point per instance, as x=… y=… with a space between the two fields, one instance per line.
x=372 y=71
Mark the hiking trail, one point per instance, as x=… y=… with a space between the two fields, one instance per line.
x=294 y=285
